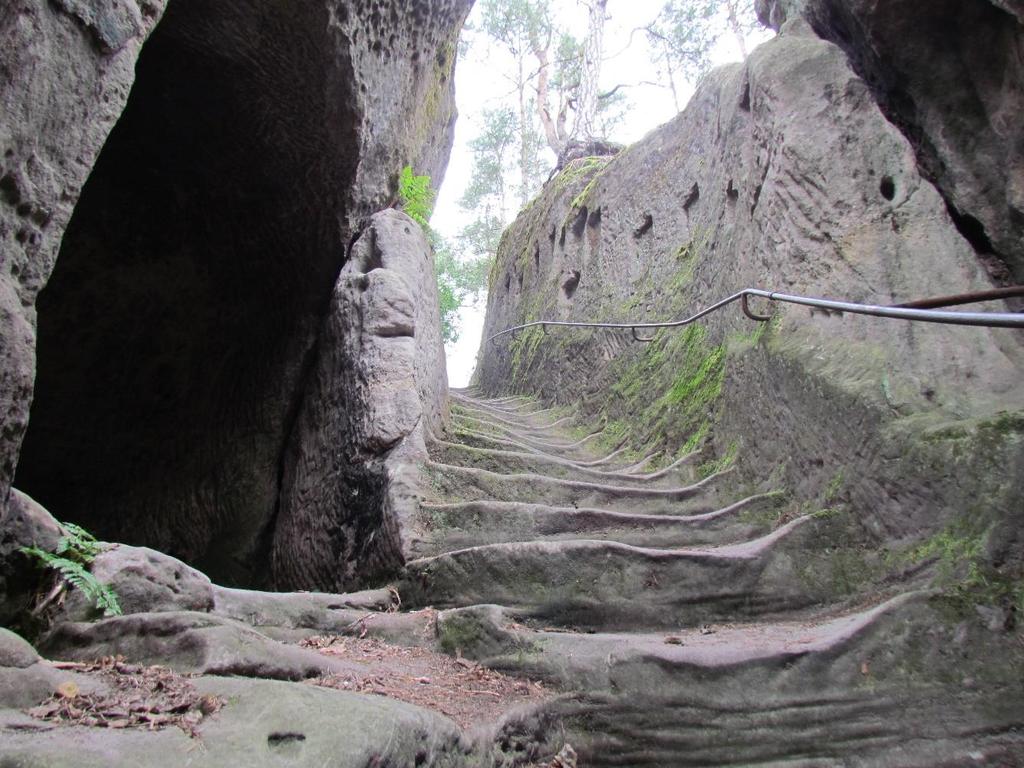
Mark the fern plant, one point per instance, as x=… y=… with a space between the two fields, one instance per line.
x=416 y=197
x=75 y=550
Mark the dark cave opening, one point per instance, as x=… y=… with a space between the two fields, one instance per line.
x=191 y=281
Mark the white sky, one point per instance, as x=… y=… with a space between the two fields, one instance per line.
x=480 y=83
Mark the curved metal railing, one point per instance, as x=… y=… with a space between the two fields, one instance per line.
x=921 y=311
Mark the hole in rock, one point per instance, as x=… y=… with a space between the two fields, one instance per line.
x=887 y=187
x=190 y=284
x=570 y=283
x=579 y=222
x=644 y=227
x=692 y=197
x=286 y=741
x=9 y=191
x=536 y=256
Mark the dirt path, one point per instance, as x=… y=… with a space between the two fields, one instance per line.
x=463 y=690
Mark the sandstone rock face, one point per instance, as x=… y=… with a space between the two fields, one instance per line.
x=782 y=173
x=67 y=70
x=16 y=651
x=949 y=74
x=266 y=723
x=377 y=389
x=182 y=324
x=23 y=523
x=145 y=581
x=187 y=642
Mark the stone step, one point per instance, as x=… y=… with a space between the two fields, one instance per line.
x=849 y=688
x=602 y=585
x=524 y=424
x=579 y=455
x=468 y=524
x=451 y=483
x=512 y=402
x=490 y=634
x=513 y=461
x=529 y=412
x=550 y=441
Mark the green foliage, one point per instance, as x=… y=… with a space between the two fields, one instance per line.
x=683 y=35
x=697 y=437
x=963 y=572
x=701 y=378
x=685 y=32
x=492 y=149
x=722 y=463
x=741 y=342
x=78 y=543
x=834 y=487
x=957 y=551
x=458 y=281
x=677 y=412
x=416 y=197
x=580 y=168
x=585 y=167
x=479 y=239
x=523 y=348
x=511 y=143
x=461 y=633
x=75 y=550
x=515 y=23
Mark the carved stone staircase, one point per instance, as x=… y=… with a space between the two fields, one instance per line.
x=671 y=610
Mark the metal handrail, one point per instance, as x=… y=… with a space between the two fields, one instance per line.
x=908 y=311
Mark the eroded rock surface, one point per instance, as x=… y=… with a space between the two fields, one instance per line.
x=950 y=75
x=186 y=641
x=145 y=580
x=350 y=476
x=265 y=723
x=23 y=523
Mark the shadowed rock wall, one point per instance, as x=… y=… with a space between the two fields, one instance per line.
x=180 y=330
x=65 y=74
x=782 y=173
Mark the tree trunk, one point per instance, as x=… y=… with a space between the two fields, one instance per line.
x=524 y=134
x=671 y=77
x=734 y=26
x=593 y=49
x=554 y=127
